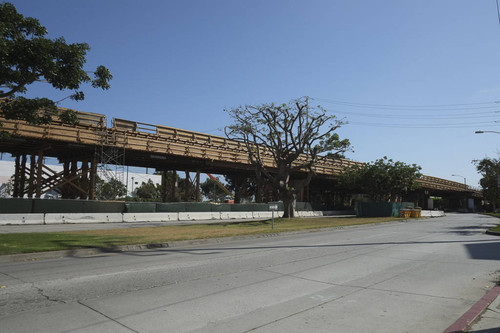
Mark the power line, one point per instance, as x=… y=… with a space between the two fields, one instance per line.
x=426 y=126
x=450 y=116
x=428 y=107
x=441 y=116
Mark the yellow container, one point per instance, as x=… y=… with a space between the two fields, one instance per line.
x=416 y=212
x=405 y=213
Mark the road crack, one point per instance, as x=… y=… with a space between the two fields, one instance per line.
x=106 y=316
x=41 y=292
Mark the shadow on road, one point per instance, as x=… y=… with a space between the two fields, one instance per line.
x=485 y=251
x=73 y=249
x=478 y=249
x=471 y=230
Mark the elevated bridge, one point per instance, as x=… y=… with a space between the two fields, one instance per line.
x=81 y=147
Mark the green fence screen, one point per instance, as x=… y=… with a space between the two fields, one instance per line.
x=380 y=209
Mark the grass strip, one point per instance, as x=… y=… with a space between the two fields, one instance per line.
x=497 y=228
x=54 y=241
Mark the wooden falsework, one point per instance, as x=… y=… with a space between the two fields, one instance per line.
x=162 y=141
x=38 y=178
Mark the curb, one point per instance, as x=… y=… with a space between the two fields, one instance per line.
x=494 y=233
x=474 y=312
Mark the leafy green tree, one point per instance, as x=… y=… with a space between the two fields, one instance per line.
x=6 y=189
x=28 y=56
x=383 y=180
x=489 y=168
x=243 y=187
x=148 y=191
x=212 y=191
x=294 y=136
x=110 y=190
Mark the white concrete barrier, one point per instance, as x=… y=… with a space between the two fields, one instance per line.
x=196 y=216
x=236 y=215
x=264 y=215
x=58 y=218
x=20 y=219
x=432 y=213
x=309 y=213
x=150 y=217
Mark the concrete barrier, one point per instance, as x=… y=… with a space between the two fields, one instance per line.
x=150 y=217
x=20 y=219
x=308 y=213
x=197 y=216
x=61 y=218
x=432 y=213
x=236 y=215
x=55 y=218
x=264 y=215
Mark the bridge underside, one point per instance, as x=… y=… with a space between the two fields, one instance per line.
x=81 y=148
x=33 y=178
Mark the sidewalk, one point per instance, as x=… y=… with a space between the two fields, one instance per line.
x=489 y=320
x=484 y=315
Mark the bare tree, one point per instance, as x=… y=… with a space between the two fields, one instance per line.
x=286 y=139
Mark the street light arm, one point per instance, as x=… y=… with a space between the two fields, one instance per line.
x=481 y=132
x=465 y=180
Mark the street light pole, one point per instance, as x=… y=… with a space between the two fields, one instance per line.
x=132 y=193
x=465 y=185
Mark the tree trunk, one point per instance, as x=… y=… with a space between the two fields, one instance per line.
x=237 y=182
x=260 y=185
x=289 y=200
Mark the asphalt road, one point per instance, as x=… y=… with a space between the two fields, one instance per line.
x=417 y=276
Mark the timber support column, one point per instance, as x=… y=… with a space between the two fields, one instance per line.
x=22 y=180
x=65 y=189
x=187 y=189
x=85 y=177
x=39 y=166
x=173 y=193
x=93 y=178
x=73 y=175
x=15 y=191
x=31 y=185
x=198 y=199
x=298 y=184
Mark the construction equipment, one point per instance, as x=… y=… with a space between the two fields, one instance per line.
x=221 y=186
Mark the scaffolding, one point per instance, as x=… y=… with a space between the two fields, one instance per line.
x=111 y=156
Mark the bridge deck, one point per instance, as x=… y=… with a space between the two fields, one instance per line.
x=153 y=145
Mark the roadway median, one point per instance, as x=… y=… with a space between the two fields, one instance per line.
x=16 y=243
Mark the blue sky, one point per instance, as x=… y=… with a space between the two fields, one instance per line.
x=419 y=77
